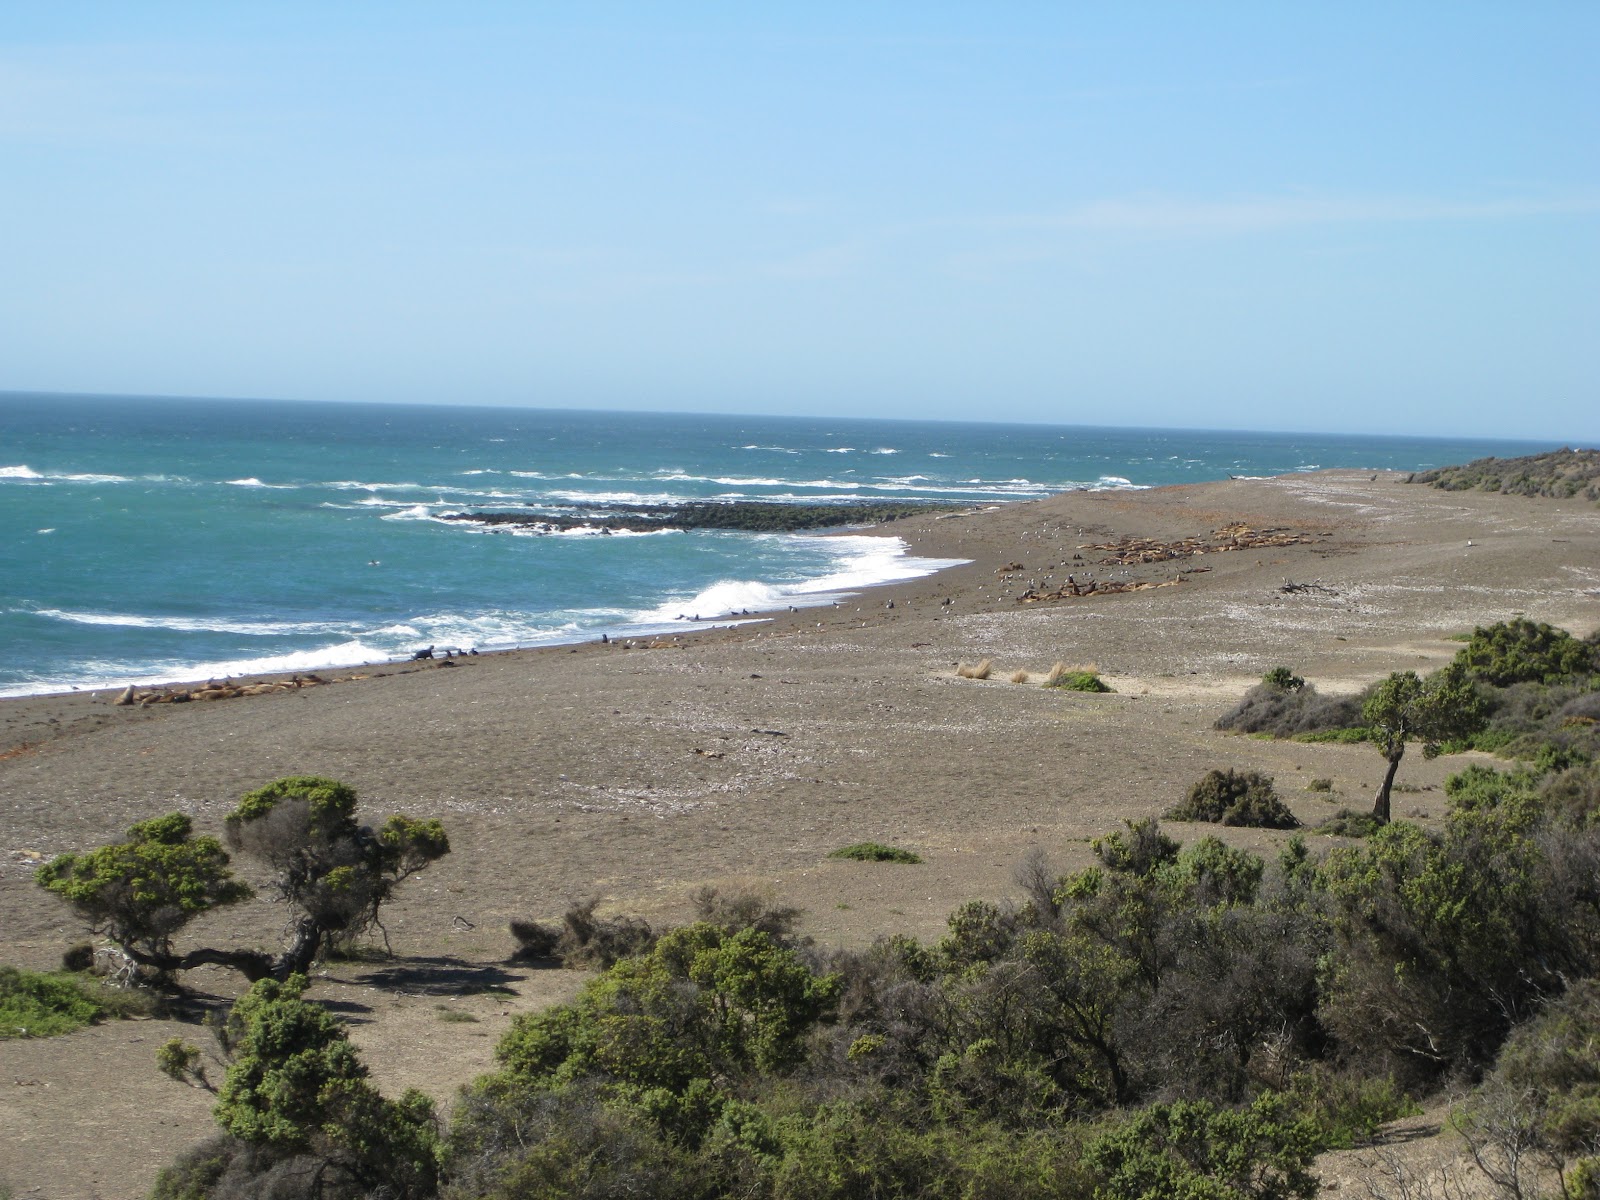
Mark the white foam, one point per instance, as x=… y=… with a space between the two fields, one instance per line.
x=193 y=624
x=861 y=561
x=416 y=512
x=353 y=653
x=840 y=450
x=613 y=497
x=886 y=450
x=19 y=472
x=354 y=485
x=253 y=482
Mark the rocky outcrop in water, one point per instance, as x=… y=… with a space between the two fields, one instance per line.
x=747 y=516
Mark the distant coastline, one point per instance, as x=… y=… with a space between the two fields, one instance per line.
x=259 y=537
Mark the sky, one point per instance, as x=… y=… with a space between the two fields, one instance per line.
x=1342 y=217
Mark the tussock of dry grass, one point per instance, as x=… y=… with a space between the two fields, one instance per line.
x=1019 y=677
x=976 y=671
x=1057 y=670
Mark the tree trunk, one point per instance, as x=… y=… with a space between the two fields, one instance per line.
x=301 y=951
x=252 y=964
x=1380 y=806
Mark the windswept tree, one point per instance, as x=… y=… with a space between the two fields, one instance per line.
x=1433 y=711
x=334 y=873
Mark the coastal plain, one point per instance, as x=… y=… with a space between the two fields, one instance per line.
x=740 y=757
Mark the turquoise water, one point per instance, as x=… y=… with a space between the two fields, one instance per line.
x=145 y=539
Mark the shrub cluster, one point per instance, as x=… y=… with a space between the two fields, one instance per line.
x=1174 y=1020
x=38 y=1005
x=1537 y=688
x=875 y=852
x=1560 y=473
x=1283 y=711
x=1229 y=797
x=1522 y=651
x=1084 y=680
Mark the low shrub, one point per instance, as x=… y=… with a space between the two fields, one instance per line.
x=1522 y=651
x=1320 y=785
x=1191 y=1150
x=1232 y=797
x=733 y=911
x=1283 y=679
x=1139 y=850
x=1543 y=1095
x=875 y=852
x=582 y=939
x=1351 y=736
x=1349 y=822
x=1284 y=711
x=1080 y=679
x=1349 y=1108
x=34 y=1004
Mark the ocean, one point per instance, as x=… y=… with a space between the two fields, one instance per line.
x=161 y=540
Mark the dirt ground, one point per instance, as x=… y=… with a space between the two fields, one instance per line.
x=740 y=758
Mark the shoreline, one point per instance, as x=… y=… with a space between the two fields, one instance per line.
x=639 y=629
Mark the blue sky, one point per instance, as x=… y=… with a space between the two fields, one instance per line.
x=1344 y=217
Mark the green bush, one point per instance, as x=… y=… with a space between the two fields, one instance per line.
x=334 y=873
x=37 y=1005
x=1348 y=1108
x=295 y=1087
x=1232 y=797
x=1547 y=1080
x=1522 y=651
x=1283 y=679
x=1081 y=681
x=1139 y=848
x=1193 y=1151
x=875 y=852
x=1350 y=823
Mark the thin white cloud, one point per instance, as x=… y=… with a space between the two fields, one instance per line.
x=1266 y=213
x=105 y=95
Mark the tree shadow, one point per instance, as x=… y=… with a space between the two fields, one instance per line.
x=440 y=976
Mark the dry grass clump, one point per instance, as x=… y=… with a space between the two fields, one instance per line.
x=1019 y=677
x=1057 y=670
x=979 y=671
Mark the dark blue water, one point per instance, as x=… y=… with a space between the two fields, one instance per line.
x=146 y=539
